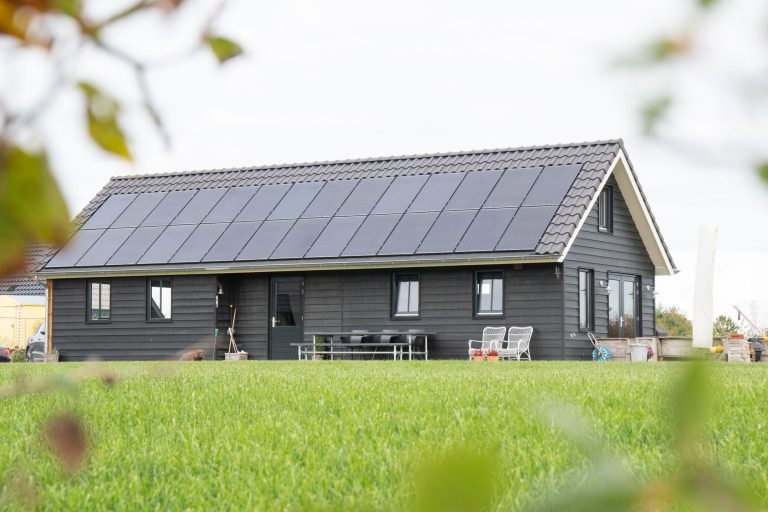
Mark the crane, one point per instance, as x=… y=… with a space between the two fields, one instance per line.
x=742 y=316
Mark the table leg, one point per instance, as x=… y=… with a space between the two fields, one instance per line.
x=426 y=348
x=410 y=348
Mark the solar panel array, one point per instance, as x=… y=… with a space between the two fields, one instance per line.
x=461 y=212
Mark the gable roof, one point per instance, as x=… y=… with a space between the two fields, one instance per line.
x=23 y=284
x=177 y=219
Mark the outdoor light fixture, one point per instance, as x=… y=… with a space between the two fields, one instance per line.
x=221 y=289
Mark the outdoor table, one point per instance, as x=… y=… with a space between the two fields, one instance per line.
x=409 y=335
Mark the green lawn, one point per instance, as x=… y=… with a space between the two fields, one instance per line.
x=359 y=435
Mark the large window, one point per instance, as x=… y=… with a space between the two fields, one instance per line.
x=586 y=299
x=489 y=293
x=99 y=301
x=159 y=298
x=405 y=295
x=605 y=210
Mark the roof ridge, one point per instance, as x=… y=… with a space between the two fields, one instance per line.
x=368 y=159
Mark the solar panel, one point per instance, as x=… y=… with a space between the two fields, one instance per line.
x=436 y=192
x=486 y=229
x=232 y=241
x=104 y=247
x=371 y=235
x=329 y=199
x=300 y=238
x=552 y=185
x=138 y=210
x=447 y=231
x=168 y=208
x=263 y=202
x=75 y=248
x=167 y=244
x=199 y=206
x=408 y=233
x=400 y=194
x=109 y=211
x=199 y=242
x=335 y=237
x=136 y=245
x=362 y=200
x=474 y=190
x=526 y=229
x=231 y=204
x=265 y=240
x=296 y=200
x=512 y=187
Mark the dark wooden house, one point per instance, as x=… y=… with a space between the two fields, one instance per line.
x=557 y=237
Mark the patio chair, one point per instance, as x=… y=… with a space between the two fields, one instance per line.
x=518 y=343
x=362 y=337
x=492 y=338
x=383 y=339
x=417 y=341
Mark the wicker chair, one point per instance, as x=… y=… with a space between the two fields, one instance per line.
x=518 y=343
x=492 y=338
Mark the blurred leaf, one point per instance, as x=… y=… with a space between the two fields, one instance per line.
x=66 y=437
x=706 y=4
x=665 y=48
x=31 y=206
x=653 y=112
x=762 y=171
x=223 y=48
x=103 y=127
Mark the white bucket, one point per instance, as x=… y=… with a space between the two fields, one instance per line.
x=638 y=353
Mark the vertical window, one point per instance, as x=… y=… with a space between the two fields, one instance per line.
x=159 y=298
x=489 y=293
x=99 y=301
x=605 y=210
x=405 y=295
x=586 y=299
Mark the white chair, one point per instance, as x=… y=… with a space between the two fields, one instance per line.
x=518 y=343
x=492 y=338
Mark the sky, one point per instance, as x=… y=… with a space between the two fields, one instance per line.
x=345 y=79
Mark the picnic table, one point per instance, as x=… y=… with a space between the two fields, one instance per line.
x=332 y=348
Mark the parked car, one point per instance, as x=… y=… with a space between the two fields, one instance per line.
x=36 y=345
x=5 y=355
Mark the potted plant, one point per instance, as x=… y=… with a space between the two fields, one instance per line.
x=477 y=355
x=320 y=347
x=493 y=355
x=52 y=356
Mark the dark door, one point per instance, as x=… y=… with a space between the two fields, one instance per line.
x=623 y=306
x=286 y=316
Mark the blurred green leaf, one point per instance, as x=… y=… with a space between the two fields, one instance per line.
x=706 y=4
x=655 y=111
x=103 y=127
x=31 y=206
x=762 y=171
x=223 y=48
x=69 y=7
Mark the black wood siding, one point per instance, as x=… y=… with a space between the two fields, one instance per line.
x=129 y=336
x=621 y=252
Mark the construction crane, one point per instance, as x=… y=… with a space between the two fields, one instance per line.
x=745 y=318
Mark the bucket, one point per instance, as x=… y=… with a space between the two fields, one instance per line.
x=638 y=353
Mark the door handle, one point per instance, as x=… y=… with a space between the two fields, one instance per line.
x=274 y=321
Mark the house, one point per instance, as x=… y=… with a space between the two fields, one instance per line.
x=558 y=237
x=23 y=301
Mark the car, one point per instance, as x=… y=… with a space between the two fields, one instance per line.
x=36 y=345
x=5 y=355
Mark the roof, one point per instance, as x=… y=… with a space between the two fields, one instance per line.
x=402 y=207
x=24 y=284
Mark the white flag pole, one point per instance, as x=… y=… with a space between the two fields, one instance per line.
x=703 y=288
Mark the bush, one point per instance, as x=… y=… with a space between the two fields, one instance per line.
x=17 y=356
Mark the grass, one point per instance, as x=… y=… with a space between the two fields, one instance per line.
x=356 y=436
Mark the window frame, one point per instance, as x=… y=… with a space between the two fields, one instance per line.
x=148 y=298
x=605 y=210
x=89 y=301
x=590 y=298
x=476 y=295
x=393 y=291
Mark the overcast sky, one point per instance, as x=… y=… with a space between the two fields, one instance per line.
x=343 y=79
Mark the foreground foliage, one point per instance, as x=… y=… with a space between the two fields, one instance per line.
x=354 y=435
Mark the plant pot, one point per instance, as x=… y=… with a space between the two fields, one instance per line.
x=51 y=358
x=236 y=356
x=477 y=358
x=492 y=358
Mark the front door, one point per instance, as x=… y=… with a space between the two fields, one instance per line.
x=623 y=306
x=286 y=316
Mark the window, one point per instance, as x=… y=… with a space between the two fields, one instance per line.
x=605 y=210
x=99 y=301
x=159 y=298
x=586 y=299
x=405 y=295
x=489 y=293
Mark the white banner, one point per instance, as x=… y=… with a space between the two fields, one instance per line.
x=702 y=288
